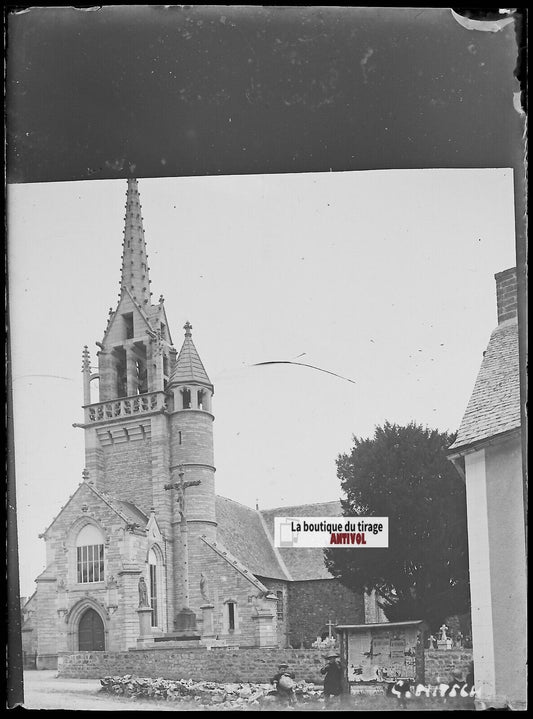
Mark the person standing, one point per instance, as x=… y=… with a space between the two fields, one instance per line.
x=332 y=679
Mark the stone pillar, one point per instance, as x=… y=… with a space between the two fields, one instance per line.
x=145 y=627
x=131 y=373
x=265 y=629
x=184 y=530
x=108 y=376
x=208 y=625
x=194 y=396
x=154 y=361
x=94 y=456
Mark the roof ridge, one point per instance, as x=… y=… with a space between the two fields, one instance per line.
x=221 y=550
x=308 y=504
x=236 y=502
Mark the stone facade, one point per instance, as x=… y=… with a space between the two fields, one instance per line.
x=147 y=508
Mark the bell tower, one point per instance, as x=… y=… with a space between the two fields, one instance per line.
x=126 y=428
x=149 y=432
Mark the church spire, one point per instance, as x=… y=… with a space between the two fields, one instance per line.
x=135 y=269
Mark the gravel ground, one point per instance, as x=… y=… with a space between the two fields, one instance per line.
x=45 y=690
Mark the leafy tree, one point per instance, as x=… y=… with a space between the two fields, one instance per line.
x=403 y=473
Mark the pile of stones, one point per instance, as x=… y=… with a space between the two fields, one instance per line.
x=216 y=695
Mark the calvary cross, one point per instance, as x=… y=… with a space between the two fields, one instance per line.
x=330 y=626
x=181 y=486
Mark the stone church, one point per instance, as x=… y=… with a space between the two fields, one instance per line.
x=145 y=552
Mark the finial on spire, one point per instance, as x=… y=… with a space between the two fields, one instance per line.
x=85 y=475
x=161 y=299
x=187 y=327
x=86 y=360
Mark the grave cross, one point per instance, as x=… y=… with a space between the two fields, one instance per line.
x=330 y=625
x=180 y=487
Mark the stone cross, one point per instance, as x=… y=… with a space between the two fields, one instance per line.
x=180 y=488
x=330 y=626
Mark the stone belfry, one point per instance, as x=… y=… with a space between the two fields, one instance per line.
x=151 y=424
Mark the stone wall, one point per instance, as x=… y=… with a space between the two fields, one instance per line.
x=313 y=603
x=224 y=665
x=439 y=665
x=127 y=469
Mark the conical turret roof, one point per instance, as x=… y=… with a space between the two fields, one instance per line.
x=189 y=366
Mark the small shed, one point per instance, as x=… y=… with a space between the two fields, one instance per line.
x=379 y=654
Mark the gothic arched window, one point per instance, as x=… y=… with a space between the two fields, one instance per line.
x=90 y=555
x=155 y=565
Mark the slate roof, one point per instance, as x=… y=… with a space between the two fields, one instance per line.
x=249 y=535
x=307 y=562
x=241 y=531
x=494 y=406
x=189 y=367
x=230 y=558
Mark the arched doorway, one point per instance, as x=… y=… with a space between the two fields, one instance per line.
x=91 y=636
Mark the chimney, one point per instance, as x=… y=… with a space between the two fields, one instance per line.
x=506 y=294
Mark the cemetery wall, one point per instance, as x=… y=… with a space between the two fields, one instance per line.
x=223 y=665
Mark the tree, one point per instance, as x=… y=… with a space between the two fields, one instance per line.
x=403 y=473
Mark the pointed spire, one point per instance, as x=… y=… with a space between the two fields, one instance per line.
x=134 y=258
x=189 y=367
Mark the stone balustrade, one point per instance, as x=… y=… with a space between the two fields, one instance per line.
x=125 y=407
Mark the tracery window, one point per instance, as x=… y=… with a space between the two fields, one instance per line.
x=90 y=555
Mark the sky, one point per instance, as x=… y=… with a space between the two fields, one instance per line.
x=385 y=278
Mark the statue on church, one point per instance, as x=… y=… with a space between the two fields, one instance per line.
x=204 y=588
x=143 y=593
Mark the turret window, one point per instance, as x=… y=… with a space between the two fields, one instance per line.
x=186 y=395
x=90 y=555
x=201 y=399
